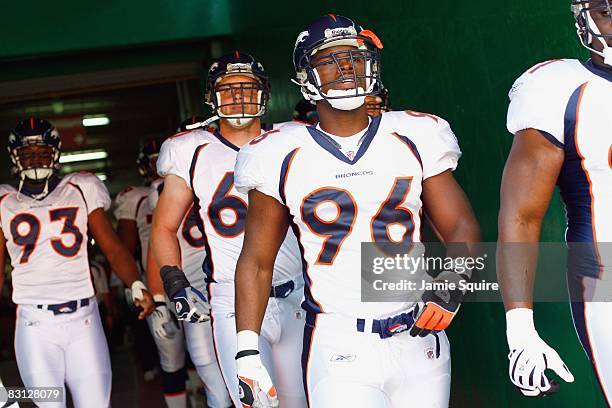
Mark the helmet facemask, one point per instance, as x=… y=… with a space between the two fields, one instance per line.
x=587 y=29
x=240 y=102
x=364 y=72
x=37 y=171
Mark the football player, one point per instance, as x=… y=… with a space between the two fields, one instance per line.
x=198 y=336
x=350 y=179
x=198 y=165
x=377 y=104
x=134 y=217
x=59 y=338
x=305 y=112
x=559 y=115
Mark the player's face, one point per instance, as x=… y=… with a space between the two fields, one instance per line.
x=31 y=157
x=338 y=67
x=603 y=19
x=238 y=95
x=374 y=105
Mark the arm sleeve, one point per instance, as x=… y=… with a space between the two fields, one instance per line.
x=125 y=206
x=440 y=151
x=534 y=103
x=253 y=171
x=94 y=191
x=175 y=158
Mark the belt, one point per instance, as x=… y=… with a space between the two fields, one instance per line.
x=65 y=308
x=387 y=327
x=283 y=290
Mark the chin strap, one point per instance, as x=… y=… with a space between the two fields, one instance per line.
x=606 y=53
x=39 y=196
x=205 y=123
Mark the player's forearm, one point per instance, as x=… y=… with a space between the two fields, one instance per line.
x=165 y=246
x=154 y=281
x=128 y=234
x=253 y=285
x=123 y=264
x=517 y=256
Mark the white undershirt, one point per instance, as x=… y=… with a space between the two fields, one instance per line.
x=348 y=144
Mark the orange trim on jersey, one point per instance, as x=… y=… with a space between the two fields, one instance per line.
x=314 y=212
x=327 y=237
x=333 y=16
x=180 y=134
x=261 y=137
x=609 y=159
x=397 y=207
x=542 y=65
x=223 y=222
x=422 y=115
x=35 y=240
x=588 y=177
x=225 y=208
x=416 y=156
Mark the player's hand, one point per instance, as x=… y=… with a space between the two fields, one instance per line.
x=437 y=308
x=189 y=303
x=530 y=356
x=164 y=324
x=142 y=299
x=254 y=383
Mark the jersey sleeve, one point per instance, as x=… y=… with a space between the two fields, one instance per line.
x=538 y=99
x=440 y=151
x=126 y=204
x=175 y=157
x=257 y=170
x=154 y=193
x=94 y=191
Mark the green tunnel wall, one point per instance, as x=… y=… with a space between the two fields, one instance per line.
x=457 y=59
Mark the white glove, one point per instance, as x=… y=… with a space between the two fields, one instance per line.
x=164 y=324
x=254 y=382
x=530 y=356
x=137 y=288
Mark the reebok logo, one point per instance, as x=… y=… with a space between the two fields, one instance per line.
x=343 y=358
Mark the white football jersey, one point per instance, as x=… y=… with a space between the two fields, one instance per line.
x=133 y=204
x=47 y=240
x=190 y=240
x=206 y=162
x=569 y=102
x=5 y=189
x=287 y=125
x=336 y=203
